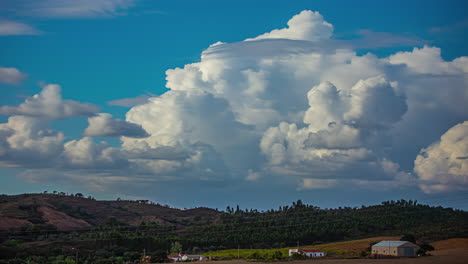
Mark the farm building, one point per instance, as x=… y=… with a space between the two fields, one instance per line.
x=175 y=258
x=185 y=257
x=313 y=253
x=395 y=248
x=307 y=252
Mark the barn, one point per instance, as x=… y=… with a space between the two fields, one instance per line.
x=395 y=248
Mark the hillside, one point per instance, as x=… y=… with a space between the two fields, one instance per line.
x=64 y=212
x=57 y=224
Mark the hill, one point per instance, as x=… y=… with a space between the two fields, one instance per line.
x=58 y=224
x=64 y=212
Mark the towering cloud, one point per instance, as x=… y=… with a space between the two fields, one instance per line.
x=284 y=107
x=443 y=166
x=306 y=25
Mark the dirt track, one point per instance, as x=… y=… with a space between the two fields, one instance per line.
x=449 y=256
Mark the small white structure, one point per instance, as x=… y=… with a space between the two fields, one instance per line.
x=307 y=252
x=175 y=258
x=186 y=257
x=313 y=253
x=293 y=251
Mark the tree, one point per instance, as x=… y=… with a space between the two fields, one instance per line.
x=158 y=256
x=409 y=238
x=176 y=248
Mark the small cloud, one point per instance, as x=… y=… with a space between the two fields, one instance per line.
x=11 y=75
x=103 y=125
x=75 y=9
x=12 y=28
x=49 y=104
x=307 y=25
x=130 y=102
x=372 y=39
x=310 y=184
x=253 y=175
x=450 y=28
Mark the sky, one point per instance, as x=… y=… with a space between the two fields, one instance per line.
x=250 y=103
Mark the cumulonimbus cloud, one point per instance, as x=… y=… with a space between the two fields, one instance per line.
x=286 y=105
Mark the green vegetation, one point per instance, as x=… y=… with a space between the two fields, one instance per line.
x=114 y=236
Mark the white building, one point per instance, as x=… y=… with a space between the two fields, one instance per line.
x=186 y=257
x=395 y=248
x=307 y=252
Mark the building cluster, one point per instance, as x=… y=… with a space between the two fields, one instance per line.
x=185 y=257
x=383 y=248
x=307 y=252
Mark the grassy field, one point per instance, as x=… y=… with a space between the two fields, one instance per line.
x=346 y=248
x=450 y=251
x=450 y=256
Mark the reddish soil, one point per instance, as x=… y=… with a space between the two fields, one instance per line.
x=60 y=220
x=451 y=244
x=9 y=222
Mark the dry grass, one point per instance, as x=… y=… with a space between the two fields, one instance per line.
x=451 y=256
x=451 y=243
x=353 y=245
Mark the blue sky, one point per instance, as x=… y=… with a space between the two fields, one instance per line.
x=102 y=51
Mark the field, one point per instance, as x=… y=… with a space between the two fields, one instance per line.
x=450 y=256
x=447 y=251
x=346 y=248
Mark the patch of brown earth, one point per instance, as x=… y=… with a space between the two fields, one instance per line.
x=451 y=243
x=12 y=223
x=353 y=245
x=60 y=220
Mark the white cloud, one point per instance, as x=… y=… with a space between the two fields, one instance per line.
x=318 y=183
x=11 y=75
x=73 y=8
x=49 y=104
x=13 y=28
x=26 y=141
x=428 y=60
x=253 y=175
x=130 y=102
x=85 y=153
x=337 y=140
x=102 y=125
x=443 y=166
x=307 y=25
x=281 y=110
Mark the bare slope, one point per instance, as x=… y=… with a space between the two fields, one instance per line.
x=69 y=212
